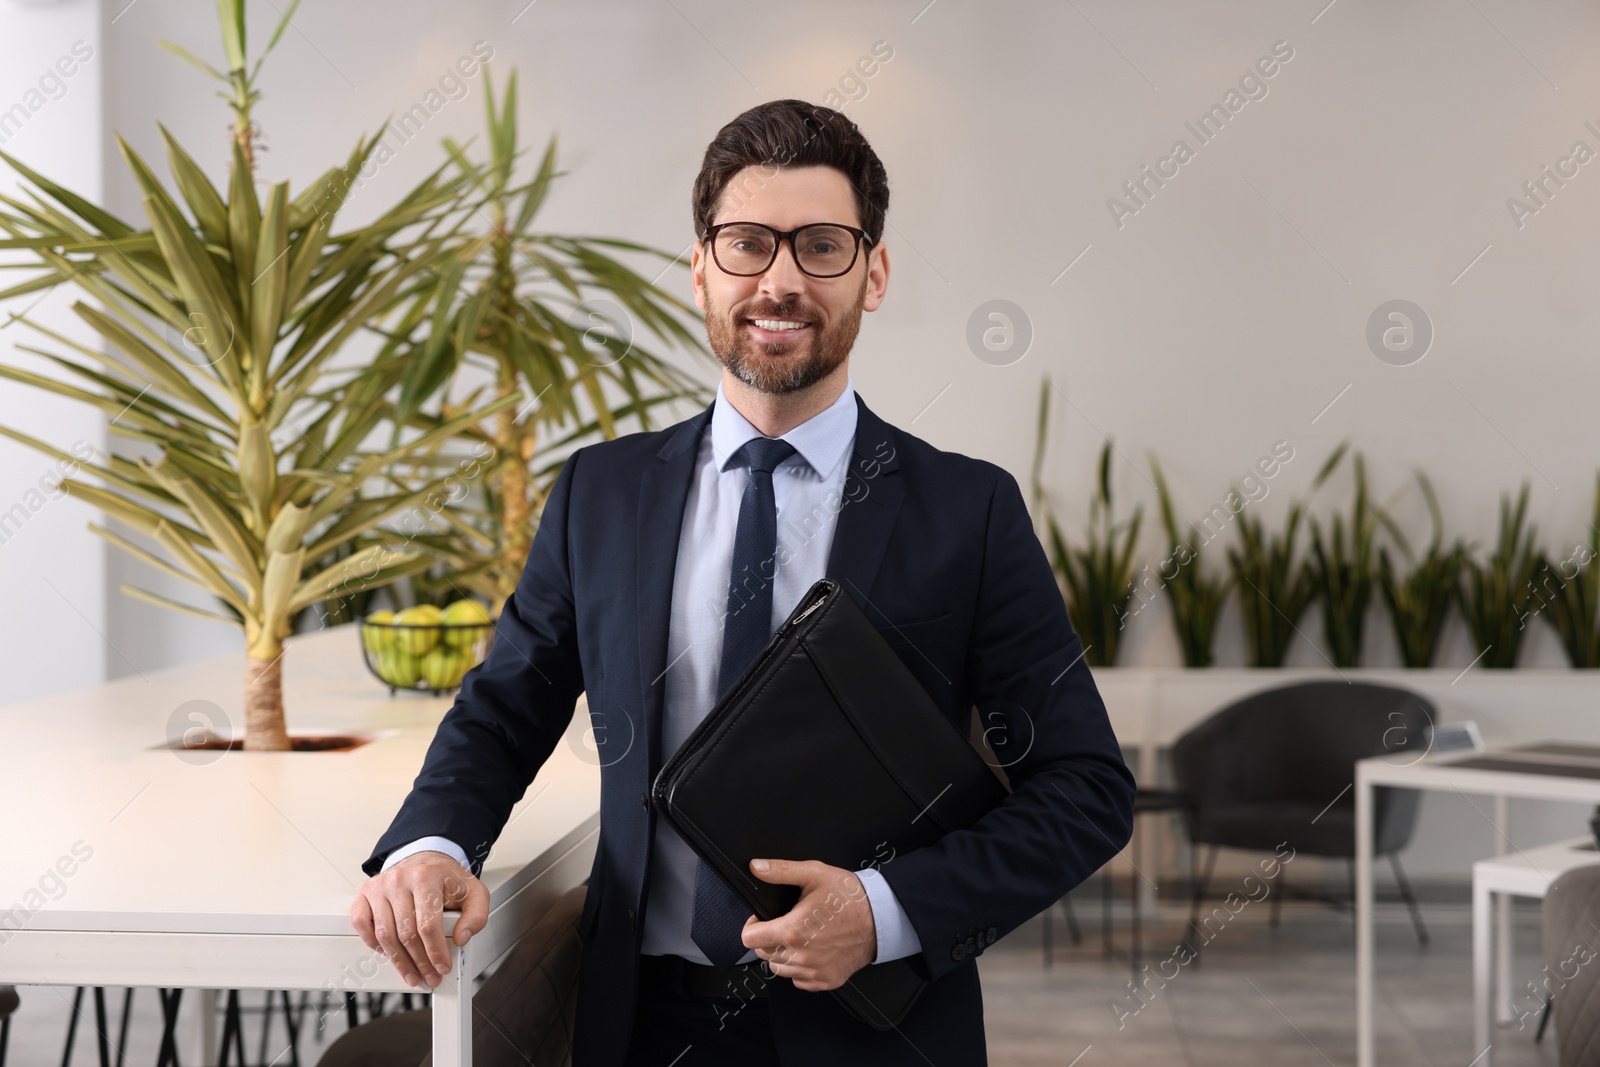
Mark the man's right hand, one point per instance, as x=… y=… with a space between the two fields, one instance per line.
x=401 y=913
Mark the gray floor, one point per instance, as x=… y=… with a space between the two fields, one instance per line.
x=1259 y=996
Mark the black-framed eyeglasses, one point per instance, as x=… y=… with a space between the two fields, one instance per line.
x=820 y=249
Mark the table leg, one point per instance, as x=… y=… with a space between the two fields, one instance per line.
x=1145 y=892
x=200 y=1036
x=1482 y=951
x=452 y=1015
x=1502 y=933
x=1364 y=1042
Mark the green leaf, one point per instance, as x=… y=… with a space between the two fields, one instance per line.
x=230 y=13
x=203 y=199
x=192 y=59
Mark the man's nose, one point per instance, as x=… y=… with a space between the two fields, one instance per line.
x=784 y=279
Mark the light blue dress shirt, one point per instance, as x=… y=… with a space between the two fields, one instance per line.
x=808 y=489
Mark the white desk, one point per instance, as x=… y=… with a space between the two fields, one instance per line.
x=1446 y=775
x=1523 y=873
x=240 y=872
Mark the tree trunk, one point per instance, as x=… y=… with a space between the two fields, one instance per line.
x=263 y=705
x=515 y=442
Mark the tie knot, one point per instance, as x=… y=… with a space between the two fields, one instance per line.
x=765 y=453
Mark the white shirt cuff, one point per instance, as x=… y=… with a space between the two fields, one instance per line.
x=897 y=938
x=427 y=844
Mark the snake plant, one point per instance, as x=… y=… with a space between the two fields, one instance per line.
x=1274 y=590
x=1097 y=577
x=1497 y=592
x=1343 y=567
x=1419 y=600
x=1197 y=598
x=1575 y=605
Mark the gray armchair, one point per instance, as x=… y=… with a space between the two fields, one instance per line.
x=1279 y=766
x=1568 y=923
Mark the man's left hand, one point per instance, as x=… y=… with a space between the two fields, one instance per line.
x=828 y=935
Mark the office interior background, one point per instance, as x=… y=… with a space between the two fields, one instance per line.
x=1206 y=309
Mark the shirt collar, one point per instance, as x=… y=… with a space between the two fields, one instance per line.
x=821 y=440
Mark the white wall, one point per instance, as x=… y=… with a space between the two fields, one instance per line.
x=53 y=630
x=1224 y=316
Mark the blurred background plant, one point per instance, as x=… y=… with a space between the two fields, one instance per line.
x=558 y=323
x=1497 y=592
x=1097 y=577
x=1196 y=597
x=1274 y=589
x=1342 y=568
x=1575 y=603
x=1419 y=600
x=220 y=330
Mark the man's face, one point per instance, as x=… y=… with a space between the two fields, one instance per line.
x=829 y=309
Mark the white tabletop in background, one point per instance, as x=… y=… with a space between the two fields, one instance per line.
x=1537 y=867
x=253 y=842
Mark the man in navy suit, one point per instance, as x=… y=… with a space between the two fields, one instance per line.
x=634 y=580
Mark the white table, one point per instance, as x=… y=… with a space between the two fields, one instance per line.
x=1447 y=775
x=239 y=873
x=1523 y=873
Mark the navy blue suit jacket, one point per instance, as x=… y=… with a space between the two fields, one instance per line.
x=939 y=551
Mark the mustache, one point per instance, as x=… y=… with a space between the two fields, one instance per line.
x=778 y=311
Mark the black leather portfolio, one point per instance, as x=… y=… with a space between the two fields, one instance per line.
x=826 y=748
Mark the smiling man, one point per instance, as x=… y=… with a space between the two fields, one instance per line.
x=662 y=564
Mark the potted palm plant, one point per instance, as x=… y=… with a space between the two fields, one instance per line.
x=557 y=320
x=222 y=316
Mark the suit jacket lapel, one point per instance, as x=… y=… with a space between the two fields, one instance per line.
x=663 y=492
x=873 y=492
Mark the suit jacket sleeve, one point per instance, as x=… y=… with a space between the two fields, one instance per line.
x=511 y=710
x=1071 y=805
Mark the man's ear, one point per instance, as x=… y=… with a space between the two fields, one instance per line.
x=697 y=275
x=877 y=280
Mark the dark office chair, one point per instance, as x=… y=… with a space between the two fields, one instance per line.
x=8 y=1004
x=523 y=1014
x=1279 y=766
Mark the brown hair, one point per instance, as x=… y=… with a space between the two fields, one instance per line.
x=793 y=133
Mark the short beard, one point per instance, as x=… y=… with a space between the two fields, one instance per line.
x=770 y=368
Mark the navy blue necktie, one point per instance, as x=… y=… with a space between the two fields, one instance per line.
x=719 y=915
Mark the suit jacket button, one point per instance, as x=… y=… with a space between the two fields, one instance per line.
x=959 y=953
x=994 y=935
x=630 y=917
x=972 y=945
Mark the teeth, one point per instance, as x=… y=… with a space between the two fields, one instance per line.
x=778 y=324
